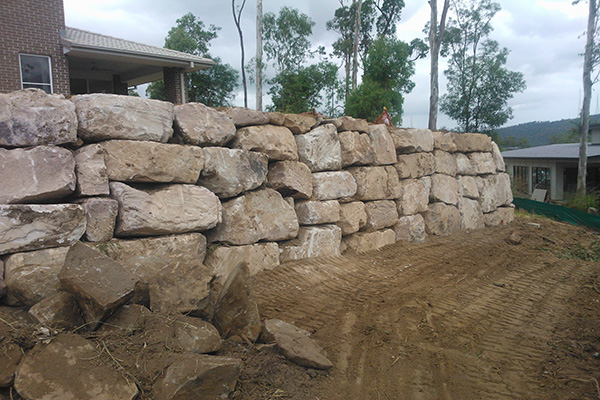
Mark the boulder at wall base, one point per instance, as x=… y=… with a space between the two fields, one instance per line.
x=276 y=142
x=255 y=216
x=128 y=319
x=229 y=172
x=470 y=211
x=495 y=191
x=99 y=284
x=442 y=219
x=410 y=228
x=33 y=275
x=59 y=311
x=353 y=217
x=380 y=214
x=66 y=368
x=165 y=210
x=137 y=161
x=382 y=144
x=194 y=335
x=198 y=377
x=101 y=217
x=311 y=212
x=37 y=174
x=9 y=362
x=313 y=241
x=259 y=257
x=34 y=227
x=200 y=125
x=295 y=344
x=242 y=116
x=111 y=116
x=320 y=149
x=333 y=185
x=501 y=216
x=31 y=117
x=376 y=183
x=356 y=148
x=367 y=241
x=236 y=312
x=291 y=178
x=92 y=179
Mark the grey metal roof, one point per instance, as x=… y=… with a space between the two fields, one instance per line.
x=94 y=41
x=563 y=151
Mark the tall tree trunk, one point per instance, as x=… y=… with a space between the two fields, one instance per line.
x=436 y=35
x=355 y=46
x=236 y=18
x=259 y=51
x=587 y=98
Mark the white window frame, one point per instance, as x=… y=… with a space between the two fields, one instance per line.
x=36 y=83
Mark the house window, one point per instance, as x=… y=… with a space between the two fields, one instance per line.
x=520 y=182
x=36 y=72
x=540 y=178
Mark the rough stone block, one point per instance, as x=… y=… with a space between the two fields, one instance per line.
x=495 y=191
x=333 y=185
x=200 y=125
x=31 y=117
x=35 y=227
x=92 y=179
x=242 y=116
x=356 y=148
x=380 y=214
x=320 y=149
x=470 y=211
x=277 y=118
x=444 y=188
x=353 y=217
x=483 y=163
x=376 y=183
x=368 y=241
x=352 y=124
x=141 y=161
x=501 y=216
x=111 y=116
x=317 y=212
x=413 y=166
x=129 y=319
x=382 y=144
x=464 y=165
x=229 y=172
x=277 y=142
x=38 y=174
x=299 y=123
x=442 y=219
x=291 y=178
x=443 y=141
x=467 y=187
x=410 y=228
x=194 y=335
x=258 y=257
x=414 y=197
x=498 y=159
x=470 y=142
x=445 y=163
x=313 y=241
x=59 y=311
x=412 y=140
x=101 y=216
x=9 y=363
x=165 y=210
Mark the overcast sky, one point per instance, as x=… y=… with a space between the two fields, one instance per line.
x=545 y=38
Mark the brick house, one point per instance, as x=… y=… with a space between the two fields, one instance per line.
x=38 y=50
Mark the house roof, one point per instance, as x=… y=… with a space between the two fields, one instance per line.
x=113 y=52
x=563 y=151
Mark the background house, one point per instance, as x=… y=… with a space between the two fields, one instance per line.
x=38 y=50
x=553 y=167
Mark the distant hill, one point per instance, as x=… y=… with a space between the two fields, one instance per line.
x=540 y=133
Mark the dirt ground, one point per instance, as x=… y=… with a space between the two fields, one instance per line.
x=471 y=316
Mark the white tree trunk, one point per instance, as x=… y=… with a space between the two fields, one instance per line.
x=436 y=35
x=259 y=15
x=355 y=46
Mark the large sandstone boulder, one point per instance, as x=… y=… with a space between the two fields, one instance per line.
x=165 y=210
x=333 y=185
x=31 y=117
x=313 y=241
x=464 y=165
x=482 y=163
x=444 y=188
x=200 y=125
x=276 y=118
x=415 y=165
x=229 y=172
x=442 y=219
x=495 y=191
x=277 y=142
x=295 y=344
x=194 y=335
x=258 y=257
x=443 y=141
x=356 y=148
x=129 y=319
x=412 y=140
x=9 y=362
x=368 y=241
x=236 y=312
x=470 y=211
x=99 y=284
x=311 y=212
x=66 y=368
x=33 y=275
x=111 y=116
x=498 y=159
x=414 y=197
x=320 y=149
x=291 y=178
x=34 y=227
x=380 y=214
x=137 y=161
x=469 y=142
x=92 y=179
x=259 y=215
x=298 y=123
x=38 y=174
x=198 y=377
x=101 y=216
x=445 y=163
x=353 y=217
x=59 y=311
x=502 y=216
x=410 y=228
x=467 y=187
x=352 y=124
x=382 y=144
x=376 y=183
x=242 y=116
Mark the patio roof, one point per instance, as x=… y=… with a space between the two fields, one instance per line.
x=569 y=151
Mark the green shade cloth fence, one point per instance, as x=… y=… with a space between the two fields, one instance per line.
x=559 y=213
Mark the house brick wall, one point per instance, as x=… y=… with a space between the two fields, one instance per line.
x=32 y=27
x=172 y=80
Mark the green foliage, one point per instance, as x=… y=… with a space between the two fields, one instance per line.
x=212 y=87
x=305 y=88
x=132 y=92
x=582 y=202
x=285 y=38
x=510 y=142
x=579 y=252
x=479 y=85
x=387 y=76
